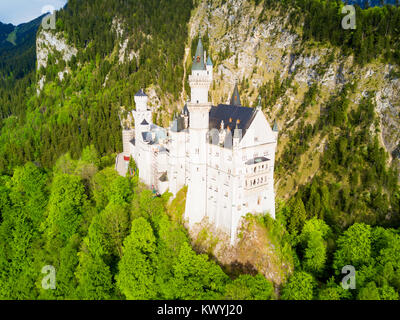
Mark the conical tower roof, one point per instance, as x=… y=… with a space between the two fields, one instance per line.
x=235 y=100
x=140 y=93
x=275 y=127
x=198 y=61
x=209 y=62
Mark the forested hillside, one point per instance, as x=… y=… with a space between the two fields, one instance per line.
x=333 y=93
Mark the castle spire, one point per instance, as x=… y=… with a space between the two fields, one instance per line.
x=235 y=100
x=209 y=62
x=198 y=61
x=259 y=102
x=275 y=126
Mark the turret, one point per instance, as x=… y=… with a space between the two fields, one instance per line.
x=141 y=101
x=142 y=114
x=200 y=79
x=185 y=114
x=237 y=135
x=275 y=129
x=222 y=133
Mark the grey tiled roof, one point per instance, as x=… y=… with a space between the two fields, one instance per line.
x=225 y=113
x=146 y=136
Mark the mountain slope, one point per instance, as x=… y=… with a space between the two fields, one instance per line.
x=5 y=30
x=17 y=48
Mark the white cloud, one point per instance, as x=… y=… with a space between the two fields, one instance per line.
x=19 y=11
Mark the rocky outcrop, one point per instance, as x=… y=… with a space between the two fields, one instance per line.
x=254 y=252
x=47 y=43
x=388 y=107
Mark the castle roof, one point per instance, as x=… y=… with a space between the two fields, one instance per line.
x=178 y=124
x=275 y=127
x=209 y=62
x=230 y=115
x=235 y=100
x=185 y=110
x=146 y=136
x=198 y=61
x=140 y=93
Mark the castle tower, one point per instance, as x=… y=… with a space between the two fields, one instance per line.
x=143 y=119
x=142 y=114
x=199 y=108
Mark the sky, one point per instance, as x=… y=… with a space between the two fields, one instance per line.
x=20 y=11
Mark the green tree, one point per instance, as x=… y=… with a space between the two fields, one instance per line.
x=333 y=291
x=136 y=278
x=94 y=278
x=66 y=205
x=313 y=238
x=353 y=247
x=195 y=277
x=100 y=186
x=369 y=292
x=23 y=201
x=297 y=216
x=108 y=230
x=247 y=287
x=300 y=286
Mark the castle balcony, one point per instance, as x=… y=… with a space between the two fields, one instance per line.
x=257 y=174
x=256 y=166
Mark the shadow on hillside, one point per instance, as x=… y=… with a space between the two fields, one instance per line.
x=237 y=268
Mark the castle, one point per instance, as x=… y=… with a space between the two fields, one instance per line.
x=225 y=154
